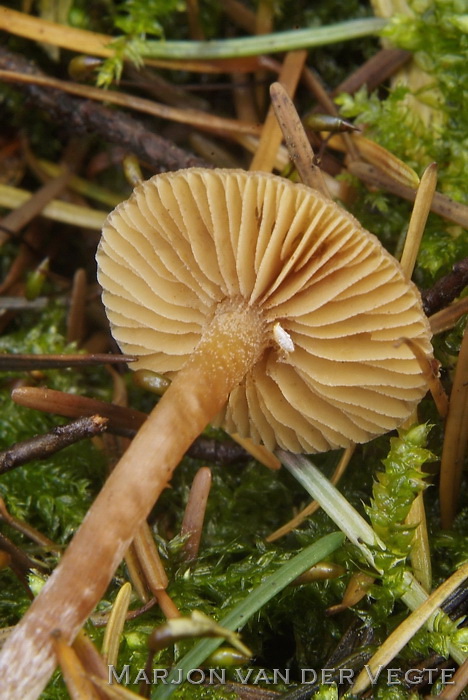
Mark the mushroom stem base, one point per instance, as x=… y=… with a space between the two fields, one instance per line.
x=231 y=344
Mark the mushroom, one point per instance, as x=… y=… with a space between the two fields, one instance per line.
x=306 y=305
x=273 y=312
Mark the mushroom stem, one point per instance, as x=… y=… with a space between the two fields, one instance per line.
x=231 y=344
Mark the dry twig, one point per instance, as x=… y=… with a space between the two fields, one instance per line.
x=42 y=446
x=85 y=116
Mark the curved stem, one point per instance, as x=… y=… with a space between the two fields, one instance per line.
x=101 y=44
x=263 y=44
x=229 y=347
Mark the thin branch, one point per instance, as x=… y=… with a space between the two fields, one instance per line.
x=121 y=420
x=42 y=446
x=222 y=453
x=191 y=117
x=83 y=116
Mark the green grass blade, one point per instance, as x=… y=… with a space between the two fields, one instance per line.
x=250 y=605
x=264 y=44
x=335 y=505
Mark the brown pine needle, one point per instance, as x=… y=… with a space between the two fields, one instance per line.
x=264 y=24
x=457 y=685
x=441 y=204
x=374 y=71
x=447 y=318
x=115 y=625
x=270 y=140
x=193 y=117
x=149 y=559
x=78 y=685
x=77 y=310
x=405 y=631
x=114 y=691
x=196 y=28
x=456 y=439
x=357 y=588
x=33 y=206
x=28 y=530
x=89 y=656
x=20 y=562
x=122 y=420
x=431 y=375
x=167 y=605
x=30 y=362
x=153 y=569
x=136 y=575
x=258 y=452
x=323 y=571
x=194 y=516
x=420 y=548
x=298 y=144
x=240 y=15
x=421 y=209
x=386 y=161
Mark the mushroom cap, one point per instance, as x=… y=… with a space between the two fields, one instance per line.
x=336 y=304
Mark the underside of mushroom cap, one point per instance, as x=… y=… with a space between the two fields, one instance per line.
x=336 y=305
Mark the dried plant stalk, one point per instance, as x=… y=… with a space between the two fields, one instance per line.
x=403 y=633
